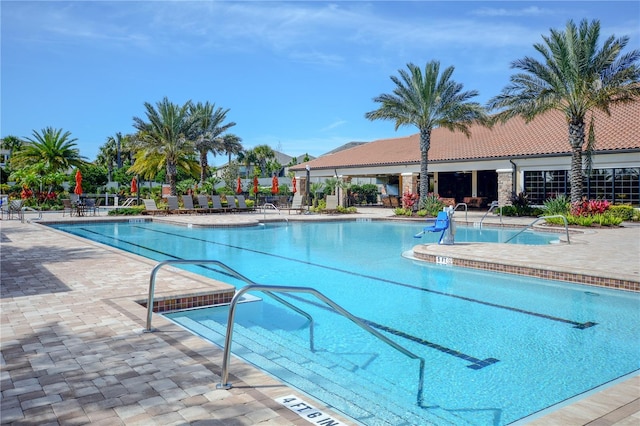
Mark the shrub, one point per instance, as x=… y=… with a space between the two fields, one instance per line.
x=399 y=211
x=127 y=211
x=558 y=205
x=507 y=211
x=346 y=210
x=623 y=211
x=589 y=207
x=521 y=204
x=422 y=213
x=433 y=204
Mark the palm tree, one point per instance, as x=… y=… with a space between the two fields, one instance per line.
x=576 y=77
x=247 y=158
x=51 y=148
x=163 y=140
x=231 y=144
x=427 y=101
x=263 y=153
x=206 y=134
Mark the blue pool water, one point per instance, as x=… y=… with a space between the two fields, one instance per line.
x=497 y=347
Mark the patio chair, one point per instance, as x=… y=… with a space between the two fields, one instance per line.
x=332 y=204
x=296 y=205
x=217 y=207
x=242 y=205
x=90 y=206
x=172 y=202
x=187 y=202
x=67 y=207
x=150 y=207
x=15 y=209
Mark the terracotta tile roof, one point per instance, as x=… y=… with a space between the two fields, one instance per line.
x=547 y=134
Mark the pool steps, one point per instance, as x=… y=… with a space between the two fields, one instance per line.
x=320 y=375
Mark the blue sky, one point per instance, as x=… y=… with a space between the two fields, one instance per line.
x=298 y=76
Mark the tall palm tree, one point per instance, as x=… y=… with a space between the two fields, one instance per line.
x=210 y=125
x=231 y=144
x=107 y=156
x=164 y=138
x=576 y=77
x=54 y=150
x=428 y=101
x=263 y=154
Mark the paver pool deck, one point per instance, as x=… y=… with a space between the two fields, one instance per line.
x=73 y=350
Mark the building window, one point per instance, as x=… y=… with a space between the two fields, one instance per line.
x=616 y=185
x=541 y=186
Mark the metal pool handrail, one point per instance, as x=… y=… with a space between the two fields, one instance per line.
x=566 y=226
x=273 y=206
x=493 y=205
x=466 y=219
x=284 y=289
x=152 y=287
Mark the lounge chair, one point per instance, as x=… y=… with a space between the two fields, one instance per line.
x=242 y=205
x=187 y=201
x=216 y=204
x=203 y=203
x=151 y=208
x=439 y=225
x=174 y=207
x=296 y=204
x=332 y=204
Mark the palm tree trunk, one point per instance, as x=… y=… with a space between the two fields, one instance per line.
x=576 y=140
x=425 y=144
x=172 y=173
x=204 y=165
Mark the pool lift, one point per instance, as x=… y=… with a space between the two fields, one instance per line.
x=443 y=223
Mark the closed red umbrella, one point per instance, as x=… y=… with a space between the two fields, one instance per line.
x=78 y=189
x=294 y=190
x=274 y=185
x=239 y=187
x=134 y=185
x=255 y=185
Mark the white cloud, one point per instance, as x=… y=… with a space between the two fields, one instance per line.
x=528 y=11
x=333 y=125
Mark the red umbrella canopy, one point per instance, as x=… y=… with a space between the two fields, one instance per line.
x=78 y=189
x=239 y=186
x=255 y=185
x=274 y=185
x=134 y=185
x=294 y=190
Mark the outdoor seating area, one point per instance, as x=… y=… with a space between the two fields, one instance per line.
x=205 y=204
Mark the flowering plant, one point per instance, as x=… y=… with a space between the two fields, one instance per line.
x=26 y=192
x=589 y=207
x=409 y=199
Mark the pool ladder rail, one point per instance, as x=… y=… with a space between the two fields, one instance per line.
x=269 y=290
x=564 y=219
x=266 y=206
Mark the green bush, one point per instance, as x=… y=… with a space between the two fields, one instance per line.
x=432 y=204
x=602 y=219
x=346 y=210
x=507 y=211
x=399 y=211
x=422 y=213
x=127 y=211
x=622 y=211
x=558 y=205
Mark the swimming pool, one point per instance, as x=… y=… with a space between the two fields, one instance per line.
x=497 y=347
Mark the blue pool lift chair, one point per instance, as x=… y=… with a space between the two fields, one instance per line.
x=441 y=224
